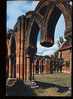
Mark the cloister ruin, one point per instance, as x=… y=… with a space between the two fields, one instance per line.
x=22 y=40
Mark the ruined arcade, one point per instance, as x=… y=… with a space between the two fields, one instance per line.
x=22 y=43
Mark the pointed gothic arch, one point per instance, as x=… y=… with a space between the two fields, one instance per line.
x=27 y=28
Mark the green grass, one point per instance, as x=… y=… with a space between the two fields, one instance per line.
x=48 y=92
x=57 y=78
x=60 y=79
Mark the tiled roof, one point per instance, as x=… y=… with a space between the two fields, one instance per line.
x=66 y=46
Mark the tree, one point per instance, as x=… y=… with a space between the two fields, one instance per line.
x=60 y=42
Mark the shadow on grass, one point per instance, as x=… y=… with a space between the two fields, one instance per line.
x=19 y=89
x=44 y=85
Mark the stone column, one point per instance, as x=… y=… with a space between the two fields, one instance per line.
x=28 y=67
x=25 y=67
x=70 y=60
x=39 y=67
x=9 y=67
x=47 y=66
x=34 y=66
x=22 y=47
x=44 y=66
x=9 y=54
x=18 y=51
x=24 y=51
x=14 y=67
x=29 y=60
x=33 y=71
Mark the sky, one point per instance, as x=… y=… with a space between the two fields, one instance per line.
x=17 y=8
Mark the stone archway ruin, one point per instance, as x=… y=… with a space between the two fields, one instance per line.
x=44 y=19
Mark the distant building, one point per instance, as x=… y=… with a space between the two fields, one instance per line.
x=66 y=52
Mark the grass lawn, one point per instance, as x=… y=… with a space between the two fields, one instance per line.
x=56 y=84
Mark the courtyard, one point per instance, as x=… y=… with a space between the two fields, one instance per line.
x=57 y=84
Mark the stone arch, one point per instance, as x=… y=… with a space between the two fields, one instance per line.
x=33 y=29
x=27 y=28
x=53 y=8
x=34 y=34
x=67 y=16
x=63 y=8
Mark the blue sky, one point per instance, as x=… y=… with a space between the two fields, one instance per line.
x=17 y=8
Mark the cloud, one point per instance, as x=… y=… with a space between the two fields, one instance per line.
x=44 y=50
x=8 y=17
x=60 y=28
x=70 y=3
x=17 y=8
